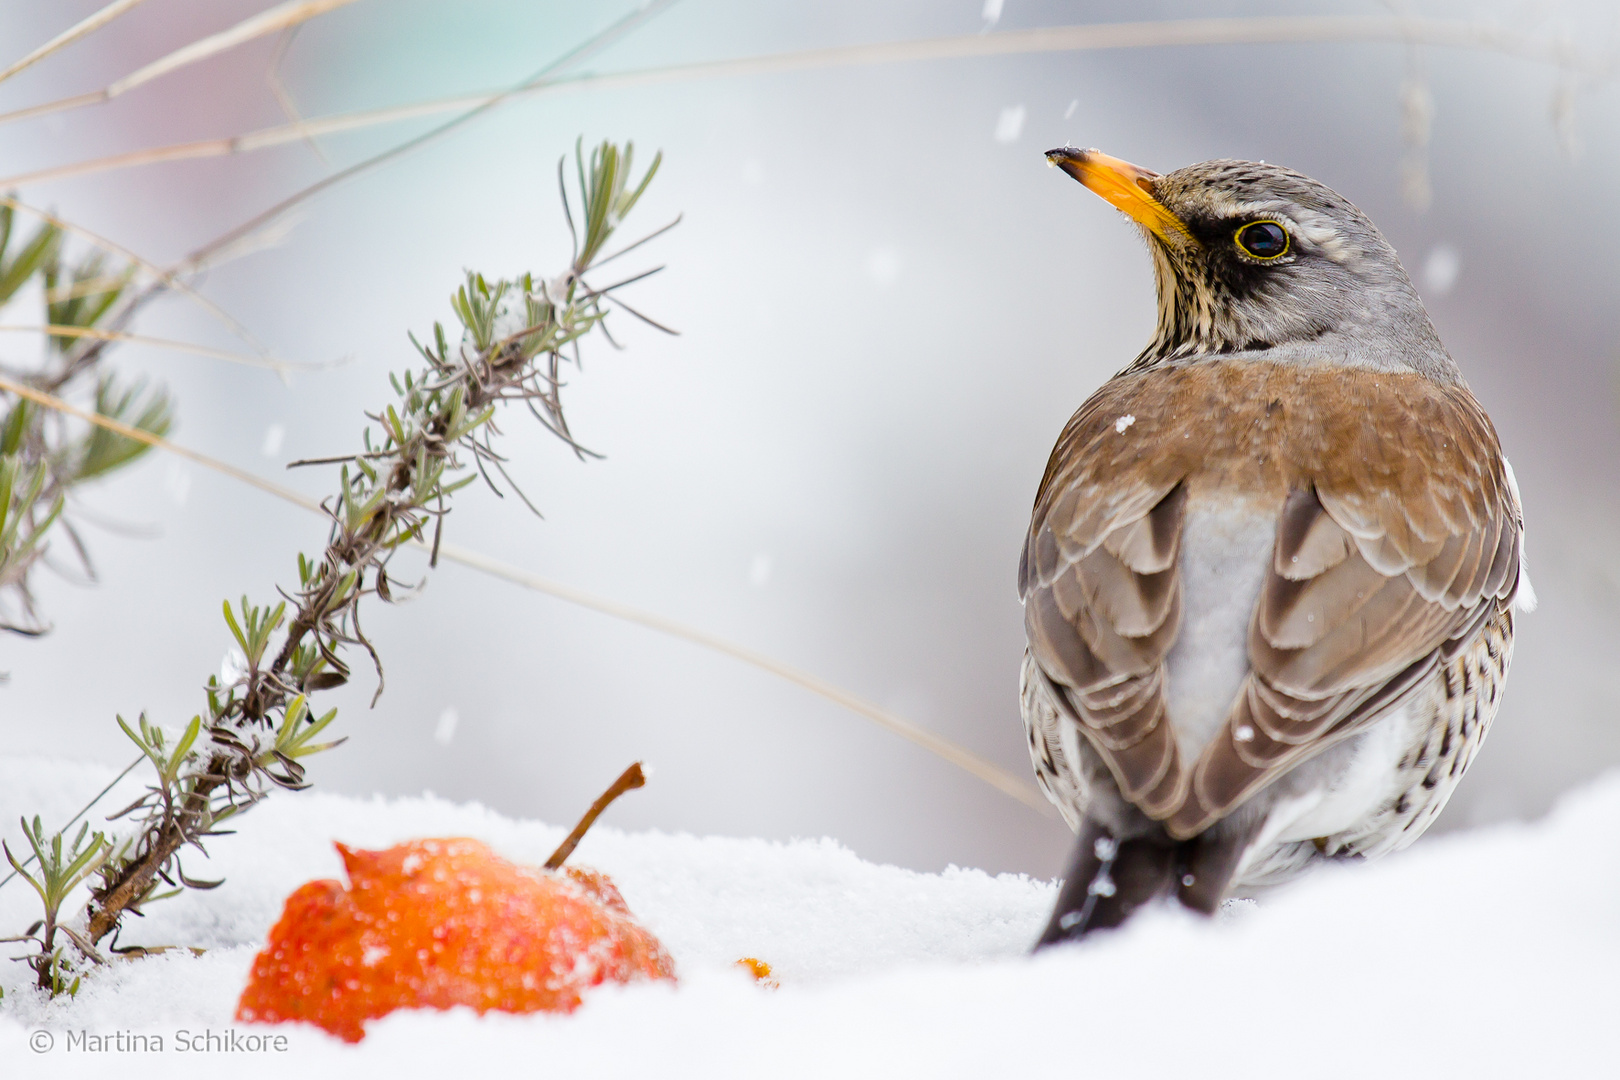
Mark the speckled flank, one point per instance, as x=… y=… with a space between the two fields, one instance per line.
x=1462 y=701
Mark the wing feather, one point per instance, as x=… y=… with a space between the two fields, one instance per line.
x=1101 y=610
x=1330 y=653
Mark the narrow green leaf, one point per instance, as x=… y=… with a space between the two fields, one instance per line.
x=236 y=630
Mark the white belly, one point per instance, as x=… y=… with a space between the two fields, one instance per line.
x=1354 y=781
x=1225 y=550
x=1339 y=797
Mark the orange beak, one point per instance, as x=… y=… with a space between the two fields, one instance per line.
x=1128 y=187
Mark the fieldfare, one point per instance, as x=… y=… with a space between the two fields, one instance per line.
x=1270 y=577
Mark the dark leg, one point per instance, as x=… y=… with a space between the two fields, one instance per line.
x=1107 y=880
x=1208 y=861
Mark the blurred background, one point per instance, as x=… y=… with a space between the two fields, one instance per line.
x=888 y=306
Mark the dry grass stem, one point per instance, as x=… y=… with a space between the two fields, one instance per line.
x=938 y=745
x=83 y=810
x=281 y=17
x=117 y=427
x=42 y=460
x=161 y=343
x=578 y=54
x=88 y=25
x=1303 y=29
x=168 y=279
x=283 y=96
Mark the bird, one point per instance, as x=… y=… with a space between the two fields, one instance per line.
x=1273 y=565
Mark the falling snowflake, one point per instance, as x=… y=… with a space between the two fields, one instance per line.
x=883 y=266
x=446 y=728
x=274 y=436
x=178 y=482
x=1010 y=124
x=1441 y=268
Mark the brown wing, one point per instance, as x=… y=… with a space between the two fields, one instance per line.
x=1102 y=603
x=1367 y=595
x=1100 y=622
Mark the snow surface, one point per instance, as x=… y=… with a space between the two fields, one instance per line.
x=1486 y=954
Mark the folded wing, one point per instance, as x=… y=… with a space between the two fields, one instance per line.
x=1102 y=606
x=1364 y=599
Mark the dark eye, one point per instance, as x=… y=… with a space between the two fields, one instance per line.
x=1265 y=240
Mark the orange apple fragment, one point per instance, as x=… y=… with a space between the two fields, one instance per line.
x=760 y=970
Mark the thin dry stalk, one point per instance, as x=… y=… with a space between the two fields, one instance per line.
x=1304 y=29
x=83 y=810
x=281 y=17
x=283 y=96
x=88 y=25
x=94 y=334
x=167 y=279
x=41 y=461
x=141 y=435
x=573 y=57
x=936 y=744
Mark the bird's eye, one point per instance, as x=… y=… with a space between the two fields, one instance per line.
x=1263 y=240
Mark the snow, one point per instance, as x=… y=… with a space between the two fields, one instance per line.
x=883 y=266
x=1483 y=954
x=445 y=730
x=1010 y=123
x=1441 y=268
x=274 y=437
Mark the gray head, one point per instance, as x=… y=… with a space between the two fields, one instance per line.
x=1257 y=259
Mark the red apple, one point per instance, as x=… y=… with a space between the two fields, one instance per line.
x=440 y=923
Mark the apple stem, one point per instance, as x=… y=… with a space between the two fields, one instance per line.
x=632 y=777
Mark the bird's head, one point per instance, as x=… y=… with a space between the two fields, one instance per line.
x=1249 y=257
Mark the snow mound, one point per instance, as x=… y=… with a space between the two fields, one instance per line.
x=1484 y=954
